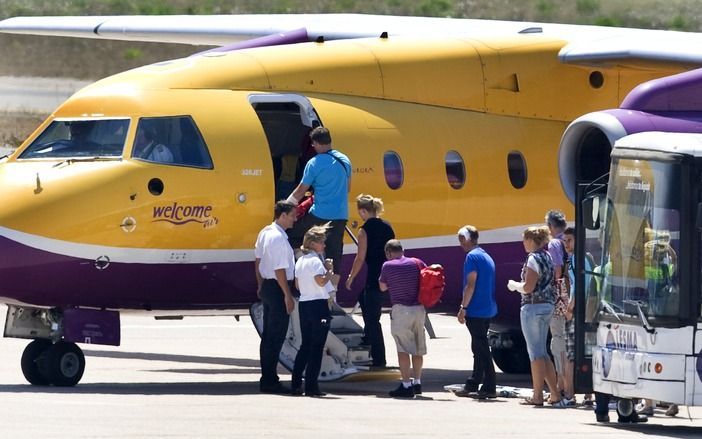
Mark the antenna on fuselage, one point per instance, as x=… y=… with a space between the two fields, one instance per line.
x=38 y=188
x=320 y=39
x=384 y=35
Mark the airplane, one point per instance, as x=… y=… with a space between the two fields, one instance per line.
x=449 y=121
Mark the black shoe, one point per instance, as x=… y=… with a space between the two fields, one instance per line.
x=402 y=392
x=602 y=417
x=314 y=392
x=296 y=391
x=486 y=394
x=635 y=418
x=277 y=388
x=417 y=389
x=470 y=386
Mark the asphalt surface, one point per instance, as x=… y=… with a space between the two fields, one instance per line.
x=198 y=378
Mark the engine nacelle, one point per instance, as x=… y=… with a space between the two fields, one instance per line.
x=672 y=104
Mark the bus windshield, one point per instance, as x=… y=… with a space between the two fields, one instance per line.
x=641 y=239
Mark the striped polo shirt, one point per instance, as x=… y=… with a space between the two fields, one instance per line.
x=402 y=278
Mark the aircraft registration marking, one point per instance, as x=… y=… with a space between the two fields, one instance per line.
x=176 y=257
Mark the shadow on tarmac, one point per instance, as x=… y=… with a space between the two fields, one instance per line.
x=223 y=361
x=674 y=431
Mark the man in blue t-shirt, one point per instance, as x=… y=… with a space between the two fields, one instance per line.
x=477 y=308
x=329 y=173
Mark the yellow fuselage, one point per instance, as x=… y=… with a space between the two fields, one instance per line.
x=418 y=98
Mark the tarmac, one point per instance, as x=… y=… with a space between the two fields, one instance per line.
x=198 y=378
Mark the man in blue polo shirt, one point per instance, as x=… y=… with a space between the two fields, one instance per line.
x=477 y=308
x=329 y=173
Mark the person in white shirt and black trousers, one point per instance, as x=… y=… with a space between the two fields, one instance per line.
x=275 y=264
x=313 y=280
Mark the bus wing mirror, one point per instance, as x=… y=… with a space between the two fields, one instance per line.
x=591 y=212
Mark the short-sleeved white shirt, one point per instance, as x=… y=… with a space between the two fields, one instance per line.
x=274 y=251
x=306 y=268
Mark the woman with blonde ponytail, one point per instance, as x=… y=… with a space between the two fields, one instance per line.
x=372 y=236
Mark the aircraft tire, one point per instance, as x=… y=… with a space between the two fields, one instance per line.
x=514 y=360
x=30 y=362
x=63 y=365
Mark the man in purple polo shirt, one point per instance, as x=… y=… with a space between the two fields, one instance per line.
x=400 y=276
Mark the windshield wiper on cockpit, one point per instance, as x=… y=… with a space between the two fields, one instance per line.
x=85 y=159
x=639 y=308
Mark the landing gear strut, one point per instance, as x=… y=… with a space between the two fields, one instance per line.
x=61 y=364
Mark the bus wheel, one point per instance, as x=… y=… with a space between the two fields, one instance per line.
x=625 y=410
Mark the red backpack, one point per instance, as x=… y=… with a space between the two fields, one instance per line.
x=431 y=284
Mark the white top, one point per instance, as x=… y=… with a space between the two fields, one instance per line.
x=531 y=263
x=160 y=153
x=306 y=268
x=274 y=251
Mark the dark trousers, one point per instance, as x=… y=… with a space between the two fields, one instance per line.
x=371 y=301
x=602 y=403
x=275 y=327
x=314 y=326
x=335 y=236
x=483 y=369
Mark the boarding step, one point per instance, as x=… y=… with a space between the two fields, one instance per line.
x=344 y=353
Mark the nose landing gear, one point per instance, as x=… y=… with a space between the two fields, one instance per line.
x=61 y=364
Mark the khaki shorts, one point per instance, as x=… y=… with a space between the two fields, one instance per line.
x=407 y=328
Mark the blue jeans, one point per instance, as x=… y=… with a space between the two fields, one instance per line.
x=535 y=321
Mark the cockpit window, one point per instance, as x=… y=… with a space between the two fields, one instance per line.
x=171 y=141
x=79 y=138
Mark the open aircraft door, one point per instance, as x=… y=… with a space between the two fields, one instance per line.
x=287 y=120
x=589 y=206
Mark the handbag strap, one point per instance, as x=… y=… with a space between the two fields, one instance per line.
x=340 y=162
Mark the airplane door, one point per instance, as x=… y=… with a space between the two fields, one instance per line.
x=588 y=251
x=287 y=120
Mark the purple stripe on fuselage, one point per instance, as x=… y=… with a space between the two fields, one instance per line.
x=41 y=278
x=47 y=279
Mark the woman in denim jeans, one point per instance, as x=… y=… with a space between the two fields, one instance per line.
x=538 y=296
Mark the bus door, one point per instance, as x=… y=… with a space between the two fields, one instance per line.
x=589 y=206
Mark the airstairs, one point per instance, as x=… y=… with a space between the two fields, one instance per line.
x=344 y=352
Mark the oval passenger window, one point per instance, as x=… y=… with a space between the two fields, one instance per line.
x=517 y=169
x=392 y=167
x=455 y=170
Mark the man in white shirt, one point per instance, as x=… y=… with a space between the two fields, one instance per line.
x=146 y=147
x=275 y=264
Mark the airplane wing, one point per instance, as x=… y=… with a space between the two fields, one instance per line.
x=219 y=30
x=586 y=45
